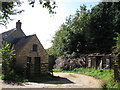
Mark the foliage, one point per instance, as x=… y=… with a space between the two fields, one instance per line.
x=8 y=8
x=8 y=64
x=13 y=77
x=88 y=31
x=102 y=27
x=116 y=49
x=70 y=39
x=49 y=4
x=8 y=60
x=104 y=75
x=116 y=56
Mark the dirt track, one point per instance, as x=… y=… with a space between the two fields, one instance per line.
x=68 y=80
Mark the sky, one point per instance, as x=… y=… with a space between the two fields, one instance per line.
x=38 y=21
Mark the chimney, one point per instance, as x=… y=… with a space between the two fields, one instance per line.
x=18 y=25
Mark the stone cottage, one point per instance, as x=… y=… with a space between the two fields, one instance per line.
x=30 y=54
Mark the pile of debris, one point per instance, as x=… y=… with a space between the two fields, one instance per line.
x=66 y=63
x=98 y=61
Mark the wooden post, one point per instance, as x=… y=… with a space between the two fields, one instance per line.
x=111 y=62
x=86 y=59
x=116 y=73
x=89 y=62
x=119 y=67
x=119 y=61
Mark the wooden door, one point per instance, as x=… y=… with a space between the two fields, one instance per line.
x=28 y=69
x=37 y=64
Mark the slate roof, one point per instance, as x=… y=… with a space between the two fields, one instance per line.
x=18 y=43
x=7 y=33
x=21 y=42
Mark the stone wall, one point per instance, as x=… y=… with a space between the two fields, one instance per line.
x=26 y=51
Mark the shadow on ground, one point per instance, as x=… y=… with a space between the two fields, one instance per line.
x=61 y=80
x=51 y=80
x=48 y=79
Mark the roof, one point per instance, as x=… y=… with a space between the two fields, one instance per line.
x=18 y=43
x=21 y=42
x=7 y=33
x=17 y=38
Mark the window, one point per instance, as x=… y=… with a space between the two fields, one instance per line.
x=28 y=59
x=35 y=47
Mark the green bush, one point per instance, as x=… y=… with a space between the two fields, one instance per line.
x=12 y=76
x=8 y=61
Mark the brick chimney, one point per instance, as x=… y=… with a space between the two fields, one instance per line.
x=18 y=25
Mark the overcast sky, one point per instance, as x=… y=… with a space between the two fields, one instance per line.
x=38 y=21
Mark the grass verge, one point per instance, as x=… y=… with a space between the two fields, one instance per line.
x=106 y=75
x=0 y=76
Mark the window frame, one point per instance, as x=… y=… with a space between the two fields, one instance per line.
x=34 y=47
x=29 y=59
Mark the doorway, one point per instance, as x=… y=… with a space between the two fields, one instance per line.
x=37 y=65
x=28 y=68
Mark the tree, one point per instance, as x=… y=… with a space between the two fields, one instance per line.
x=8 y=60
x=58 y=47
x=88 y=31
x=102 y=27
x=8 y=8
x=72 y=35
x=116 y=56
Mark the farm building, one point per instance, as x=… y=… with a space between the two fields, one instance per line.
x=29 y=51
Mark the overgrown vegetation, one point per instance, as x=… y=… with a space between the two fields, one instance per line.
x=104 y=75
x=8 y=60
x=8 y=64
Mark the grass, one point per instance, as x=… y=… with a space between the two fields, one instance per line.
x=0 y=68
x=0 y=76
x=106 y=75
x=0 y=71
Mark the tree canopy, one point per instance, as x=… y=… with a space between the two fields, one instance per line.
x=88 y=31
x=8 y=8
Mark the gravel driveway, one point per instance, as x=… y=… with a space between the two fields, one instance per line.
x=68 y=80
